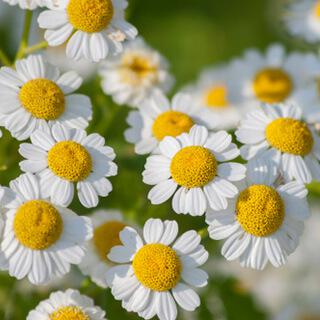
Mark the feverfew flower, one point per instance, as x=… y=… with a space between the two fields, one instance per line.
x=132 y=76
x=277 y=132
x=264 y=222
x=64 y=157
x=27 y=4
x=159 y=118
x=158 y=272
x=40 y=239
x=35 y=96
x=67 y=305
x=192 y=164
x=93 y=29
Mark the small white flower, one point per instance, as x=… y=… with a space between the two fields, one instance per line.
x=132 y=76
x=106 y=227
x=277 y=132
x=69 y=304
x=93 y=29
x=158 y=118
x=27 y=4
x=264 y=222
x=192 y=164
x=65 y=157
x=41 y=239
x=157 y=273
x=302 y=19
x=35 y=96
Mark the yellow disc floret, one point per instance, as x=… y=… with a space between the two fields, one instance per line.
x=69 y=313
x=193 y=167
x=260 y=210
x=217 y=97
x=157 y=267
x=37 y=225
x=69 y=160
x=106 y=236
x=290 y=136
x=171 y=123
x=43 y=99
x=317 y=9
x=272 y=85
x=90 y=15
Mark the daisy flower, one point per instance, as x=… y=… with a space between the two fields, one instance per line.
x=158 y=118
x=215 y=93
x=132 y=76
x=264 y=222
x=36 y=96
x=93 y=29
x=27 y=4
x=106 y=227
x=64 y=157
x=192 y=164
x=302 y=19
x=277 y=132
x=41 y=239
x=156 y=273
x=274 y=77
x=69 y=304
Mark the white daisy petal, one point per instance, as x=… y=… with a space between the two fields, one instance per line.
x=187 y=298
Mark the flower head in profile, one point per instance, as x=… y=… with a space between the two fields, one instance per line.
x=92 y=29
x=36 y=96
x=159 y=271
x=63 y=158
x=194 y=168
x=69 y=304
x=264 y=222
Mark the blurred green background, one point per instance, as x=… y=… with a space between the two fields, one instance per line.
x=192 y=34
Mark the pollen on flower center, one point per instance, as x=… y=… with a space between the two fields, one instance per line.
x=90 y=15
x=69 y=313
x=260 y=210
x=69 y=160
x=106 y=236
x=193 y=167
x=272 y=85
x=171 y=123
x=42 y=98
x=217 y=97
x=290 y=136
x=37 y=224
x=157 y=267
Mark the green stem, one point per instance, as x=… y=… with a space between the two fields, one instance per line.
x=4 y=60
x=36 y=47
x=25 y=35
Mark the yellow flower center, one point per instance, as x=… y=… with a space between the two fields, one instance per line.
x=260 y=210
x=69 y=313
x=317 y=9
x=43 y=99
x=37 y=225
x=290 y=136
x=106 y=236
x=69 y=160
x=217 y=97
x=135 y=68
x=272 y=85
x=171 y=123
x=157 y=267
x=90 y=15
x=193 y=167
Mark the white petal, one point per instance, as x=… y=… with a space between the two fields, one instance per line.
x=187 y=298
x=232 y=171
x=167 y=309
x=153 y=230
x=187 y=242
x=162 y=191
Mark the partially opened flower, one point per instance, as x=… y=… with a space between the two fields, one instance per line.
x=35 y=96
x=41 y=239
x=158 y=272
x=132 y=76
x=27 y=4
x=93 y=29
x=197 y=165
x=158 y=118
x=277 y=132
x=107 y=225
x=264 y=222
x=63 y=158
x=67 y=305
